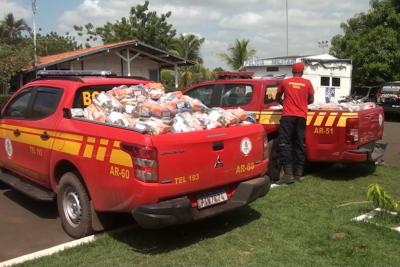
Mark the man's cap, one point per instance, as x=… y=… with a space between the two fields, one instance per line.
x=298 y=67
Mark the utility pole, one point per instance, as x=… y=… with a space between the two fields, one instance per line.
x=287 y=29
x=34 y=32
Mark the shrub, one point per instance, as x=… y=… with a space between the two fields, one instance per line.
x=380 y=199
x=3 y=100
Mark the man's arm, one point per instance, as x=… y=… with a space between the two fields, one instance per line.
x=310 y=93
x=279 y=94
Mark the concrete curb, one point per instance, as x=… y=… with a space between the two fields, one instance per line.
x=62 y=247
x=370 y=215
x=48 y=251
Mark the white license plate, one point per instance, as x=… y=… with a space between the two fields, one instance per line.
x=395 y=106
x=211 y=199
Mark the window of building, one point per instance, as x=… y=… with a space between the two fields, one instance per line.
x=325 y=81
x=336 y=82
x=272 y=69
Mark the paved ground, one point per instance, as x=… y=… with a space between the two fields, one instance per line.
x=392 y=136
x=27 y=226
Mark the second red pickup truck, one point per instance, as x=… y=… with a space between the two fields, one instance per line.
x=332 y=135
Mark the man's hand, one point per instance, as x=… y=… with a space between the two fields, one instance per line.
x=278 y=98
x=310 y=99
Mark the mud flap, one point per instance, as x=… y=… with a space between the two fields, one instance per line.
x=100 y=221
x=379 y=151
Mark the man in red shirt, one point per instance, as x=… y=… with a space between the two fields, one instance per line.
x=297 y=94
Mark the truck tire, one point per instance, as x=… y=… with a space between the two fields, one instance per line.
x=74 y=206
x=274 y=171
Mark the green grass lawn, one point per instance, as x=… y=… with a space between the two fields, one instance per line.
x=296 y=225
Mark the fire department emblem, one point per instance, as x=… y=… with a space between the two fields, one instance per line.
x=8 y=147
x=245 y=146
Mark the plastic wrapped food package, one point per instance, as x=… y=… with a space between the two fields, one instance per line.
x=346 y=106
x=148 y=109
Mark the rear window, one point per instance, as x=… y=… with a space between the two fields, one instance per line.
x=203 y=93
x=390 y=89
x=236 y=95
x=84 y=95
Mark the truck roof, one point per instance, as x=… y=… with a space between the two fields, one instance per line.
x=78 y=81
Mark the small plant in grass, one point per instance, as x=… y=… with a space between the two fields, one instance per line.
x=380 y=199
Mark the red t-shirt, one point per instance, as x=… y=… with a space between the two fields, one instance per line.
x=296 y=92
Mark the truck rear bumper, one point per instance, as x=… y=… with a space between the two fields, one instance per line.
x=367 y=153
x=180 y=210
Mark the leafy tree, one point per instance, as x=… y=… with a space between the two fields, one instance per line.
x=237 y=54
x=13 y=58
x=188 y=47
x=142 y=24
x=372 y=41
x=52 y=43
x=12 y=31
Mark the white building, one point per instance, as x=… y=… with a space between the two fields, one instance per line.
x=330 y=76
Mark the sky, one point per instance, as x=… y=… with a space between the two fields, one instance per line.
x=220 y=22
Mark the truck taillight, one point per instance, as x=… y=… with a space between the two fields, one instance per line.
x=352 y=130
x=144 y=161
x=265 y=145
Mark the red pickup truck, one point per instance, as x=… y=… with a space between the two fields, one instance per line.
x=93 y=169
x=331 y=135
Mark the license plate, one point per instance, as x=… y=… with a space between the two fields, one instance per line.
x=395 y=106
x=211 y=199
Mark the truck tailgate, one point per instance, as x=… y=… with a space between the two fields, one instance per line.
x=197 y=161
x=371 y=125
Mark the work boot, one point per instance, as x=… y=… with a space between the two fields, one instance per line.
x=298 y=173
x=287 y=177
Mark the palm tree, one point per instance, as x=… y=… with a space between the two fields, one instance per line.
x=238 y=54
x=188 y=46
x=11 y=30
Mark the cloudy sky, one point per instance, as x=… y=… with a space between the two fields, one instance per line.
x=220 y=22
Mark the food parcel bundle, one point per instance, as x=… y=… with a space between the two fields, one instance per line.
x=148 y=109
x=346 y=106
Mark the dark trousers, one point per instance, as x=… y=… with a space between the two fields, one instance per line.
x=291 y=137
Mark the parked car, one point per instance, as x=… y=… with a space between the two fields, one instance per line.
x=362 y=94
x=389 y=97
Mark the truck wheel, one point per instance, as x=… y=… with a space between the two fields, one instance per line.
x=74 y=206
x=274 y=171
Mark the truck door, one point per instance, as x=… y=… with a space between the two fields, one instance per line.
x=13 y=147
x=34 y=134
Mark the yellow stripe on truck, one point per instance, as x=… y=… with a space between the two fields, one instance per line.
x=88 y=151
x=101 y=152
x=30 y=139
x=270 y=118
x=121 y=158
x=331 y=119
x=319 y=119
x=68 y=147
